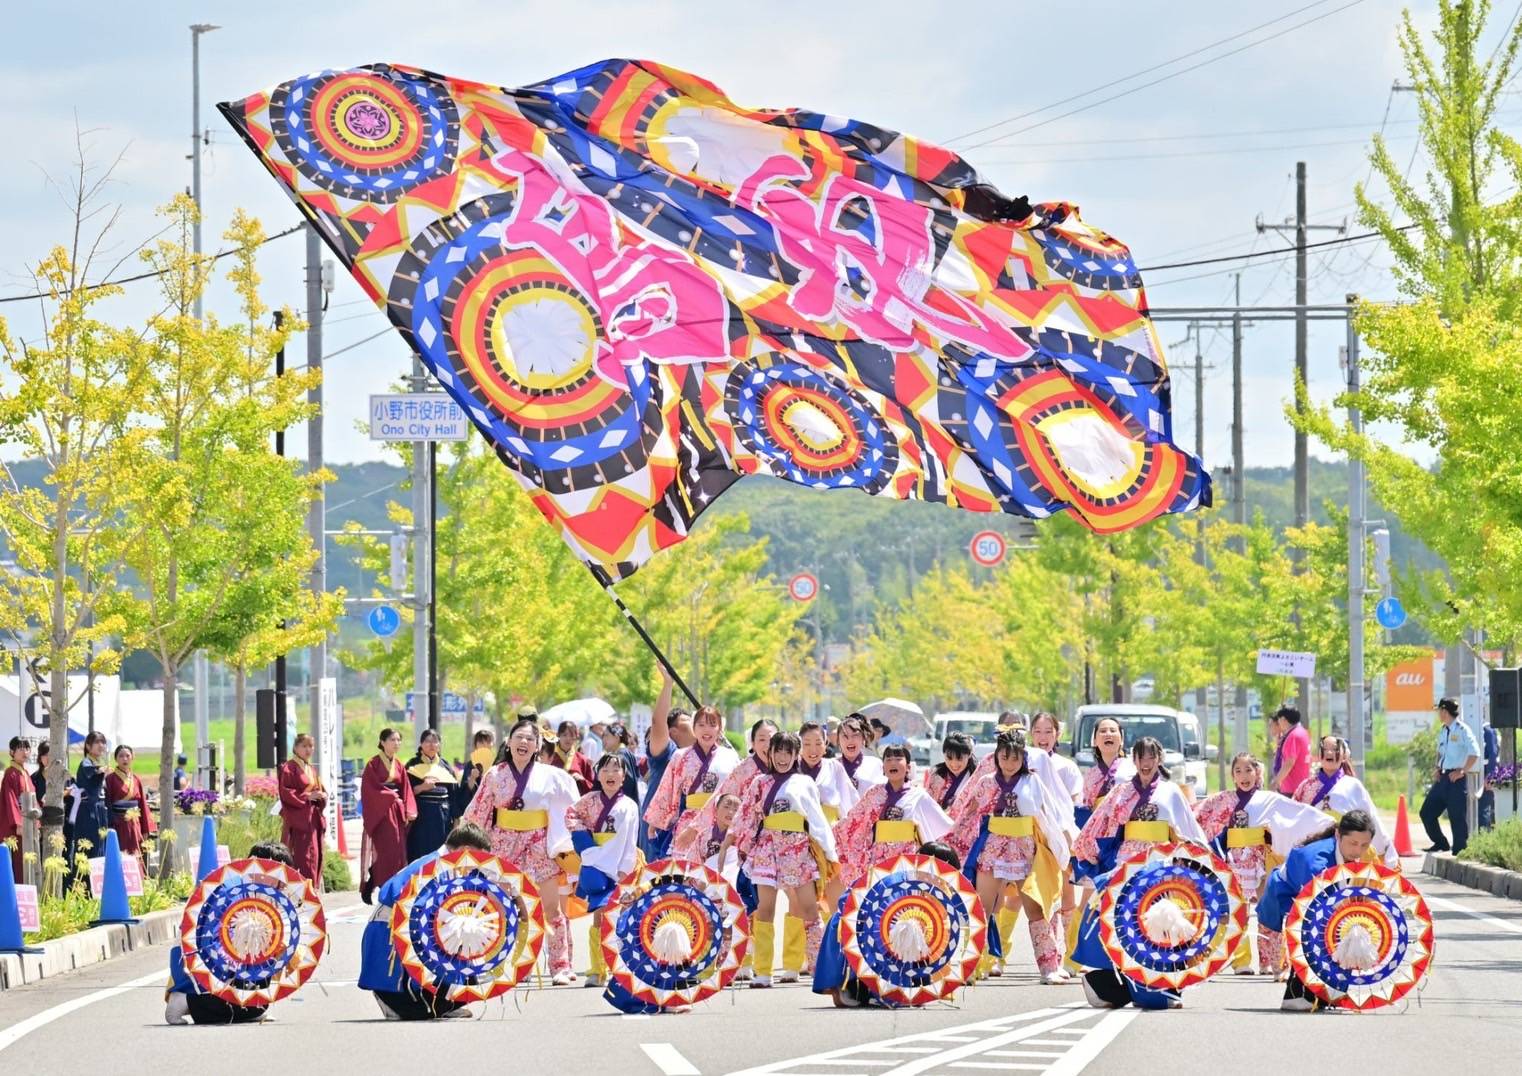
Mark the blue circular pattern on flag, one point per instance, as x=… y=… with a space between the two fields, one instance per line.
x=1206 y=895
x=894 y=894
x=423 y=924
x=634 y=921
x=1376 y=908
x=807 y=427
x=280 y=932
x=370 y=134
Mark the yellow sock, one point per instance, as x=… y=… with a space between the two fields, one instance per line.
x=764 y=946
x=594 y=941
x=1007 y=918
x=1071 y=939
x=792 y=944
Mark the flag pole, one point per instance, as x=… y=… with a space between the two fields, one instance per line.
x=601 y=575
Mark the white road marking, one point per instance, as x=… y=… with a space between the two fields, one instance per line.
x=1091 y=1045
x=1021 y=1034
x=668 y=1059
x=16 y=1032
x=1490 y=921
x=1002 y=1066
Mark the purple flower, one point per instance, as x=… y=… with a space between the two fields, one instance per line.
x=195 y=800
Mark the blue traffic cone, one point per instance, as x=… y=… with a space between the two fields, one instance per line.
x=208 y=861
x=113 y=888
x=10 y=915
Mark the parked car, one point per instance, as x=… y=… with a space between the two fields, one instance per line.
x=982 y=727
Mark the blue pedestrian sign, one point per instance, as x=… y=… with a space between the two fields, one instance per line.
x=1390 y=613
x=384 y=621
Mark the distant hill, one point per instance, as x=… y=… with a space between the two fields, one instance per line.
x=865 y=550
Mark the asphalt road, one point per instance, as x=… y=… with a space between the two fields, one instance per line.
x=1469 y=1016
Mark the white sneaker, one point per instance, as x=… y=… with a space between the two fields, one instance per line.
x=177 y=1009
x=592 y=980
x=1094 y=1000
x=562 y=978
x=1246 y=970
x=787 y=976
x=761 y=982
x=996 y=971
x=1297 y=1005
x=1056 y=977
x=1175 y=1003
x=745 y=974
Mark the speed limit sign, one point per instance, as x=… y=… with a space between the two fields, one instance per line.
x=988 y=548
x=803 y=587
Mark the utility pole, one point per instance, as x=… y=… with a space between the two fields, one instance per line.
x=197 y=139
x=1238 y=498
x=317 y=288
x=435 y=702
x=1355 y=556
x=1300 y=226
x=199 y=677
x=280 y=451
x=421 y=572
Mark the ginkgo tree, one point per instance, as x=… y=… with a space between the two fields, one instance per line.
x=220 y=510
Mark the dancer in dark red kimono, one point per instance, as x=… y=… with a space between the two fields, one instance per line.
x=385 y=797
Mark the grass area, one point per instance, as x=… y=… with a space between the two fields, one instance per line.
x=1499 y=847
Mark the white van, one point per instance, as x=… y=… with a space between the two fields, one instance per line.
x=982 y=727
x=1176 y=730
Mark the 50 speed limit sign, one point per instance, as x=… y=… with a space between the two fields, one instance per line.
x=988 y=548
x=803 y=587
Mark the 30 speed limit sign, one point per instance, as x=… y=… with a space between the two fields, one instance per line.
x=803 y=587
x=988 y=548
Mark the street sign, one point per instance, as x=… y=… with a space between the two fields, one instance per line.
x=27 y=909
x=451 y=705
x=988 y=548
x=132 y=874
x=416 y=416
x=384 y=621
x=1294 y=663
x=1390 y=613
x=803 y=587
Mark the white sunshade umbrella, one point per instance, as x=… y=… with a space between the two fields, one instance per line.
x=585 y=712
x=900 y=715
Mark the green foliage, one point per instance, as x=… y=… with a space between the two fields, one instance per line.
x=223 y=548
x=241 y=830
x=1499 y=847
x=335 y=873
x=1445 y=366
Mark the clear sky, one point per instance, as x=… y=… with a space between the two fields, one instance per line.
x=1178 y=170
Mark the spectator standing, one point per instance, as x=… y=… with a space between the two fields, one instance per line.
x=1457 y=753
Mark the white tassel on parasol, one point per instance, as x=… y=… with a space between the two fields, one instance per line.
x=907 y=940
x=671 y=943
x=1356 y=950
x=1166 y=924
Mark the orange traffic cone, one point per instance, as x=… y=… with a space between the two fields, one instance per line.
x=343 y=840
x=1402 y=830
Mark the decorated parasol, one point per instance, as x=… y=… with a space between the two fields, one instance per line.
x=1173 y=916
x=912 y=929
x=468 y=926
x=1359 y=936
x=675 y=933
x=253 y=932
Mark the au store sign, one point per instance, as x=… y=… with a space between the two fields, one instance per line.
x=416 y=416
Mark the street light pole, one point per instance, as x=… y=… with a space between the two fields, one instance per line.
x=1355 y=554
x=197 y=138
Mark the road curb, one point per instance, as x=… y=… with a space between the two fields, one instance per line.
x=93 y=946
x=1493 y=880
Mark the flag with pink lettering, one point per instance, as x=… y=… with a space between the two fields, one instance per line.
x=641 y=292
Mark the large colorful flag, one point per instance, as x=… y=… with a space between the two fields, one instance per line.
x=640 y=292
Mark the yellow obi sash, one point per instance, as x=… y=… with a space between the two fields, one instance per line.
x=896 y=831
x=1019 y=826
x=522 y=821
x=786 y=822
x=695 y=801
x=1246 y=836
x=1156 y=832
x=831 y=812
x=1335 y=816
x=602 y=838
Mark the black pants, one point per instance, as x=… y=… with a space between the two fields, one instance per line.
x=209 y=1009
x=409 y=1006
x=1294 y=988
x=1449 y=796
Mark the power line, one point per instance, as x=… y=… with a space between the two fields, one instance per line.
x=1174 y=74
x=1132 y=75
x=1220 y=152
x=1276 y=250
x=292 y=230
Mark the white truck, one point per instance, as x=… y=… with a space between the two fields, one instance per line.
x=1178 y=731
x=982 y=727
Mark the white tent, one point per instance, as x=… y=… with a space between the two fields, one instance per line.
x=132 y=717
